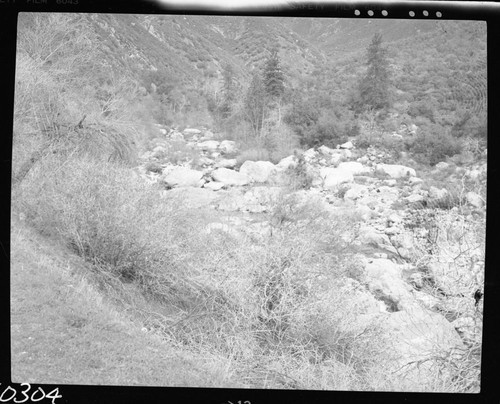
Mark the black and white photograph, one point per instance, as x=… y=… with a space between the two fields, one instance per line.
x=249 y=202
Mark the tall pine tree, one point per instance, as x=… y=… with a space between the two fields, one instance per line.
x=228 y=92
x=374 y=86
x=273 y=78
x=255 y=103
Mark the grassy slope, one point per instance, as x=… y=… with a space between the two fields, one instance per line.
x=62 y=330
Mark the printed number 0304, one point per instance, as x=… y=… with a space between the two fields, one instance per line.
x=10 y=393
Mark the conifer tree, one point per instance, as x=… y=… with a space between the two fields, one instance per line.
x=273 y=78
x=255 y=102
x=229 y=90
x=374 y=86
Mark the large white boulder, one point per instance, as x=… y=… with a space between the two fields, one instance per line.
x=227 y=163
x=418 y=339
x=191 y=131
x=396 y=170
x=474 y=199
x=354 y=168
x=183 y=177
x=383 y=278
x=333 y=177
x=230 y=177
x=258 y=171
x=326 y=151
x=286 y=163
x=209 y=145
x=309 y=155
x=228 y=147
x=347 y=145
x=442 y=165
x=177 y=137
x=371 y=237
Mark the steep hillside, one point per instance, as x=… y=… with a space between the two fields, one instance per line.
x=195 y=48
x=341 y=37
x=330 y=53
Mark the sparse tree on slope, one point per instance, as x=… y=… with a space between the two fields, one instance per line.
x=374 y=86
x=229 y=90
x=274 y=80
x=255 y=103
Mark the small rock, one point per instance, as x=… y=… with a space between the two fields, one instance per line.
x=436 y=193
x=347 y=145
x=309 y=154
x=442 y=165
x=176 y=136
x=392 y=230
x=208 y=135
x=426 y=300
x=191 y=131
x=183 y=177
x=205 y=161
x=209 y=145
x=474 y=199
x=214 y=185
x=255 y=208
x=415 y=198
x=326 y=151
x=473 y=174
x=415 y=180
x=363 y=160
x=395 y=170
x=417 y=280
x=228 y=147
x=287 y=162
x=230 y=177
x=347 y=153
x=258 y=171
x=355 y=192
x=227 y=163
x=354 y=168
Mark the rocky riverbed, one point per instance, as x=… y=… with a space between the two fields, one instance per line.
x=420 y=263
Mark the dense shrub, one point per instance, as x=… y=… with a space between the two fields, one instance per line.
x=433 y=145
x=298 y=176
x=316 y=127
x=384 y=142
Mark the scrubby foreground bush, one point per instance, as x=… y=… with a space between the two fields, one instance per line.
x=271 y=311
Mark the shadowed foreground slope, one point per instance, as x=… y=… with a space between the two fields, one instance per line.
x=63 y=332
